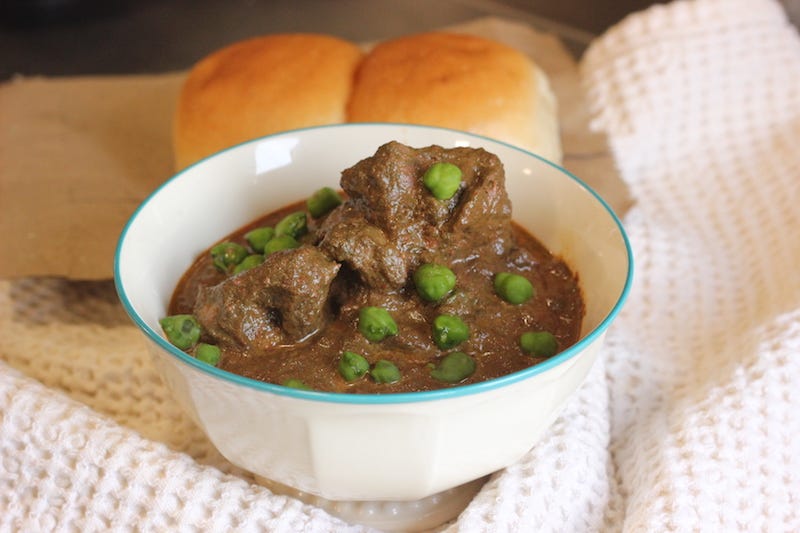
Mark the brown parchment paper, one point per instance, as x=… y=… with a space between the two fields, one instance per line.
x=78 y=155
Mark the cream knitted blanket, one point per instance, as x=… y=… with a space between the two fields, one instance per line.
x=690 y=420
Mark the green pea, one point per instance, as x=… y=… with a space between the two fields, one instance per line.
x=385 y=372
x=454 y=367
x=248 y=262
x=434 y=282
x=227 y=254
x=352 y=366
x=259 y=237
x=539 y=343
x=375 y=323
x=322 y=202
x=295 y=225
x=183 y=331
x=442 y=180
x=295 y=383
x=449 y=331
x=281 y=242
x=208 y=353
x=513 y=288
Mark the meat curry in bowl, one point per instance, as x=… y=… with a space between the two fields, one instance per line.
x=413 y=278
x=321 y=434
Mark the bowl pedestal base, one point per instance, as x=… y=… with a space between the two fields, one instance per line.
x=414 y=515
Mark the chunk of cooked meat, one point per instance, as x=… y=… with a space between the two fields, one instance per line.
x=284 y=299
x=366 y=249
x=391 y=223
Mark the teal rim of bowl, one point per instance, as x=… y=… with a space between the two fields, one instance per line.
x=387 y=398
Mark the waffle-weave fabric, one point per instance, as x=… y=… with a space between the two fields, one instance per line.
x=688 y=422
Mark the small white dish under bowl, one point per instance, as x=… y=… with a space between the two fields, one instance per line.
x=408 y=516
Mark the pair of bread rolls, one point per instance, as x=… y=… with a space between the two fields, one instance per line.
x=285 y=81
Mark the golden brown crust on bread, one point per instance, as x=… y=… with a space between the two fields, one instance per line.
x=260 y=86
x=457 y=81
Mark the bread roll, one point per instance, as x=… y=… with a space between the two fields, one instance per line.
x=261 y=86
x=458 y=81
x=285 y=81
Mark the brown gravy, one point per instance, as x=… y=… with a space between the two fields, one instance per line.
x=495 y=325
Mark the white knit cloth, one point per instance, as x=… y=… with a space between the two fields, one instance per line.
x=689 y=422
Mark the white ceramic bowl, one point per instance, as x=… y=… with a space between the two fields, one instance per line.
x=364 y=447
